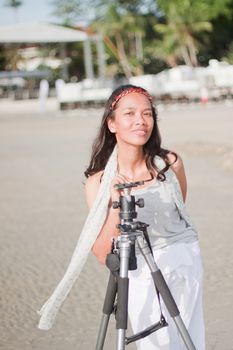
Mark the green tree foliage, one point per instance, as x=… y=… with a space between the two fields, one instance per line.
x=148 y=35
x=220 y=39
x=123 y=32
x=126 y=26
x=184 y=22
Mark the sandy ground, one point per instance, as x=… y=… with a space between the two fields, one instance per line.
x=42 y=159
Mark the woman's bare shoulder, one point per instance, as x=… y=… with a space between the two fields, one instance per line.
x=94 y=179
x=91 y=187
x=175 y=161
x=177 y=166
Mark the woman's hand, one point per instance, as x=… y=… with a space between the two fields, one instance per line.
x=103 y=243
x=115 y=193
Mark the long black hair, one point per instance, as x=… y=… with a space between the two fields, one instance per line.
x=106 y=140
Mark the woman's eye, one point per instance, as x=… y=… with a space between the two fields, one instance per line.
x=149 y=114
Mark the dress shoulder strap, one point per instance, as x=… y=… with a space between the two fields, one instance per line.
x=174 y=186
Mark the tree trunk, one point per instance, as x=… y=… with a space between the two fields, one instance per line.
x=192 y=53
x=139 y=46
x=132 y=49
x=171 y=61
x=111 y=46
x=122 y=55
x=185 y=56
x=139 y=70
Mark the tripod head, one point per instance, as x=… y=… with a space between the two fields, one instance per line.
x=127 y=203
x=128 y=227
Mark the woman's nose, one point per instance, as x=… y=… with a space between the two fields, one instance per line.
x=140 y=119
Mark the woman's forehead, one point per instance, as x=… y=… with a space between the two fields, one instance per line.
x=134 y=100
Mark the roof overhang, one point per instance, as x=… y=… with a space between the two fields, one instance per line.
x=39 y=33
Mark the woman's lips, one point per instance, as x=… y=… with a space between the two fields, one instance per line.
x=140 y=132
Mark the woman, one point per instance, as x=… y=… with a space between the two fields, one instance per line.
x=130 y=122
x=128 y=148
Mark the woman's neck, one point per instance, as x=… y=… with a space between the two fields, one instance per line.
x=131 y=162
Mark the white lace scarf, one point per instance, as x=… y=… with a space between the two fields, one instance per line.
x=89 y=233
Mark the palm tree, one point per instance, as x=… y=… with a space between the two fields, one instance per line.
x=164 y=51
x=15 y=4
x=185 y=20
x=111 y=28
x=123 y=34
x=166 y=48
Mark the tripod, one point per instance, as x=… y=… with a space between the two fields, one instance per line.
x=120 y=261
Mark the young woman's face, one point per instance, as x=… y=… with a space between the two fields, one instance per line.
x=133 y=120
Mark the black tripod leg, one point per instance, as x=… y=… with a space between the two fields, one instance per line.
x=163 y=289
x=173 y=310
x=107 y=310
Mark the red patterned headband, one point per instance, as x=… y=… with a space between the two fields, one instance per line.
x=129 y=91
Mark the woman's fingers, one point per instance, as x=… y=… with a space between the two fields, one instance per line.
x=122 y=178
x=118 y=179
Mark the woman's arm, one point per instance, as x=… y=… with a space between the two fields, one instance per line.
x=103 y=243
x=178 y=167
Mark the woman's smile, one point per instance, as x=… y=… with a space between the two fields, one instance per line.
x=140 y=131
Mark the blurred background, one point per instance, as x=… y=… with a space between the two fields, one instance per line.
x=78 y=51
x=59 y=62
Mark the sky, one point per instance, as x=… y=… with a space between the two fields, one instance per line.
x=30 y=11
